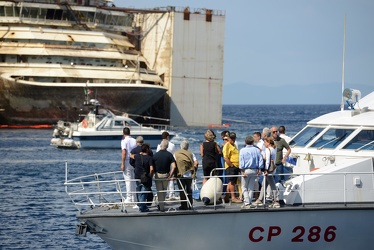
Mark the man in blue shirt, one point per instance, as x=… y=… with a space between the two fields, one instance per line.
x=250 y=163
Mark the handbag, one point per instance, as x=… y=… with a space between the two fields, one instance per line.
x=144 y=178
x=272 y=166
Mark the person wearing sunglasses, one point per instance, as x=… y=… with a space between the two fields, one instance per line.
x=280 y=159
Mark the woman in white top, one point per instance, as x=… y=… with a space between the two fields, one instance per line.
x=270 y=154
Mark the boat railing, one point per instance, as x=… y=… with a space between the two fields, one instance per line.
x=107 y=190
x=305 y=191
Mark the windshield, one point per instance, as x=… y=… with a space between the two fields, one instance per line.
x=306 y=136
x=332 y=138
x=126 y=123
x=362 y=141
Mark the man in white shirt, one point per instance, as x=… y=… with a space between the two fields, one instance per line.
x=127 y=144
x=282 y=134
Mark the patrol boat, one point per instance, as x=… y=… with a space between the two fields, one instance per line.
x=328 y=199
x=101 y=128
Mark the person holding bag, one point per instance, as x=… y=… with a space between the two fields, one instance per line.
x=270 y=154
x=143 y=171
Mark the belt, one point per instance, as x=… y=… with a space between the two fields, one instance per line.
x=161 y=173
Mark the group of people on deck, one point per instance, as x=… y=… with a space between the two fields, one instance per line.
x=252 y=163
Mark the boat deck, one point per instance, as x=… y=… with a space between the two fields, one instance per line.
x=172 y=208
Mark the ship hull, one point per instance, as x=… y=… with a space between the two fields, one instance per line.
x=24 y=104
x=294 y=228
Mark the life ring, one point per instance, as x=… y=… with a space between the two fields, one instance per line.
x=84 y=123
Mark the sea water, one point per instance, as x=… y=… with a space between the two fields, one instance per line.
x=36 y=213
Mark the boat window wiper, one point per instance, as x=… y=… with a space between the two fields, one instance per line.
x=311 y=138
x=367 y=144
x=340 y=139
x=330 y=141
x=336 y=140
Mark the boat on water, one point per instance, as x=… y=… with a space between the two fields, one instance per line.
x=50 y=50
x=101 y=128
x=328 y=199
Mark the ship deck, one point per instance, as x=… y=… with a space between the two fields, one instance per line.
x=172 y=208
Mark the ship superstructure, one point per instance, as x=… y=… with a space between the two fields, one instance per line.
x=53 y=51
x=163 y=62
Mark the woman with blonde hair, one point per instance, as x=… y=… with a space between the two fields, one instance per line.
x=270 y=154
x=209 y=151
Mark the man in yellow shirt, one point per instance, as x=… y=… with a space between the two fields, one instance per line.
x=231 y=156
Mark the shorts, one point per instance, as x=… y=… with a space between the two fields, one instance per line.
x=232 y=171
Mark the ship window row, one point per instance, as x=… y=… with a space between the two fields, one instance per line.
x=333 y=138
x=72 y=61
x=79 y=80
x=66 y=44
x=67 y=15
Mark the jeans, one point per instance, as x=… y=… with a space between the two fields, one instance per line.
x=142 y=197
x=281 y=169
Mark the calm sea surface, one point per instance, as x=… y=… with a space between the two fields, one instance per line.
x=36 y=213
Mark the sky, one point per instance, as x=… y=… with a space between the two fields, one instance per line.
x=285 y=43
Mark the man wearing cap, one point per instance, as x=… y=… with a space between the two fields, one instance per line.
x=136 y=151
x=231 y=157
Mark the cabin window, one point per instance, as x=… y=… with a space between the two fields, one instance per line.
x=118 y=123
x=108 y=124
x=332 y=138
x=305 y=136
x=364 y=140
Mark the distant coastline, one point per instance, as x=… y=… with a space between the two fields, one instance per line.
x=327 y=94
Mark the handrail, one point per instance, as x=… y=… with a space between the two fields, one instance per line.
x=109 y=188
x=96 y=189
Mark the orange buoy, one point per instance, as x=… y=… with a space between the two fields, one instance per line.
x=84 y=123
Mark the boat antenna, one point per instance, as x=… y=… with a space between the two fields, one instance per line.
x=342 y=103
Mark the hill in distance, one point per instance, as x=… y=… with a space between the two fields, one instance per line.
x=244 y=93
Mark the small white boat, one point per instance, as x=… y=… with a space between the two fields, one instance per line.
x=329 y=199
x=101 y=128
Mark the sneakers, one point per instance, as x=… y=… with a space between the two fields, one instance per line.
x=135 y=207
x=172 y=198
x=258 y=203
x=275 y=204
x=247 y=206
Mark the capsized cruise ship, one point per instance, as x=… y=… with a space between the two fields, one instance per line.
x=52 y=52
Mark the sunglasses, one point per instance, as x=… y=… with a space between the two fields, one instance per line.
x=225 y=139
x=274 y=131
